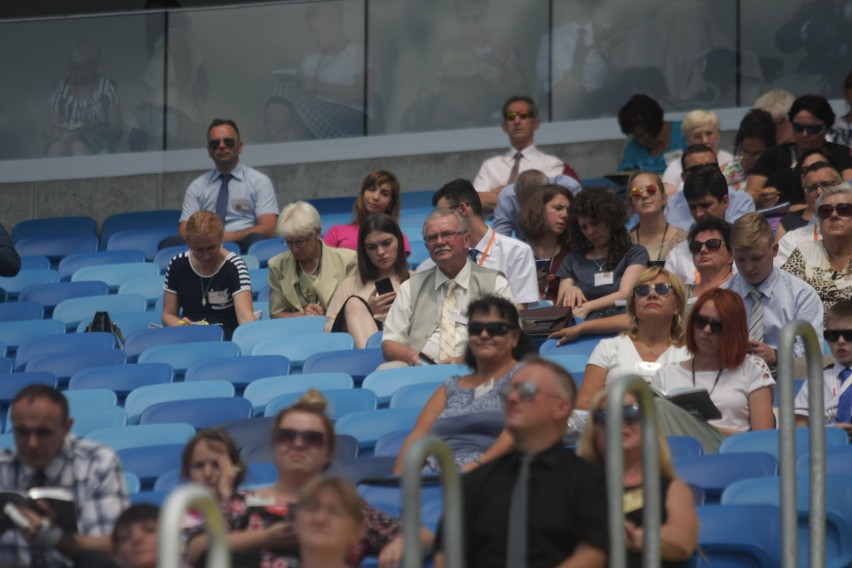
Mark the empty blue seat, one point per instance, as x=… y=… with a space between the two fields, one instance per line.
x=165 y=218
x=713 y=472
x=413 y=396
x=252 y=262
x=150 y=462
x=200 y=413
x=26 y=278
x=116 y=274
x=250 y=334
x=419 y=253
x=151 y=287
x=11 y=383
x=34 y=261
x=767 y=441
x=5 y=365
x=49 y=295
x=362 y=468
x=164 y=256
x=838 y=460
x=17 y=311
x=297 y=348
x=129 y=322
x=146 y=338
x=259 y=278
x=142 y=435
x=266 y=249
x=740 y=536
x=96 y=398
x=76 y=310
x=57 y=247
x=249 y=431
x=54 y=227
x=100 y=417
x=184 y=355
x=132 y=482
x=684 y=446
x=121 y=378
x=13 y=333
x=261 y=391
x=142 y=397
x=74 y=262
x=64 y=365
x=367 y=427
x=387 y=381
x=357 y=362
x=238 y=370
x=390 y=444
x=375 y=341
x=146 y=240
x=340 y=402
x=54 y=344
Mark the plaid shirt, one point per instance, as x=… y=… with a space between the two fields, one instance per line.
x=91 y=471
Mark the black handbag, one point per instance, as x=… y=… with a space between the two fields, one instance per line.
x=102 y=322
x=541 y=322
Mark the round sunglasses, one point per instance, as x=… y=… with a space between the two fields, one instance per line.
x=642 y=190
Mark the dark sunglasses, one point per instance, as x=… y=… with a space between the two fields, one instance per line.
x=832 y=335
x=660 y=289
x=701 y=322
x=310 y=438
x=523 y=115
x=214 y=143
x=711 y=244
x=811 y=129
x=494 y=328
x=643 y=190
x=843 y=210
x=630 y=413
x=821 y=185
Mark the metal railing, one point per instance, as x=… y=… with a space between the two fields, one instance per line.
x=173 y=511
x=411 y=482
x=787 y=443
x=615 y=471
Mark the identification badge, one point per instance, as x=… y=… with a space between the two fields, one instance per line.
x=483 y=389
x=240 y=204
x=217 y=296
x=604 y=278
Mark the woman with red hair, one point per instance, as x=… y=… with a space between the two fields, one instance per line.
x=740 y=385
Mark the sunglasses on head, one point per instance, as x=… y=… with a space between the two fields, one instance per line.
x=523 y=115
x=821 y=185
x=643 y=190
x=309 y=438
x=630 y=413
x=832 y=335
x=494 y=328
x=843 y=210
x=660 y=289
x=711 y=244
x=811 y=129
x=701 y=322
x=216 y=142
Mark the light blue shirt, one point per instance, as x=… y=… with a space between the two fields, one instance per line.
x=677 y=209
x=507 y=210
x=785 y=298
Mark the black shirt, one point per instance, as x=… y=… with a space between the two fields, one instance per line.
x=777 y=164
x=567 y=506
x=634 y=559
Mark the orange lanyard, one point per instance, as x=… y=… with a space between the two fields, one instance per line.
x=816 y=234
x=487 y=248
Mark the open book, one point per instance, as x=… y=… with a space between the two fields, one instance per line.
x=693 y=400
x=60 y=500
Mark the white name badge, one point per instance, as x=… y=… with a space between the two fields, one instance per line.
x=217 y=296
x=483 y=389
x=604 y=278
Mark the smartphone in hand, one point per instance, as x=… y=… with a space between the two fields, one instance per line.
x=384 y=286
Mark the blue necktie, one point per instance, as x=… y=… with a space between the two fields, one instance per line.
x=844 y=405
x=473 y=254
x=222 y=198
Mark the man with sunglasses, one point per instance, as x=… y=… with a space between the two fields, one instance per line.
x=520 y=121
x=243 y=197
x=772 y=297
x=540 y=504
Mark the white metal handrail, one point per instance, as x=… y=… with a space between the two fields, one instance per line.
x=175 y=508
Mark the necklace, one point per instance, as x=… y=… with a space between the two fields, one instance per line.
x=204 y=290
x=662 y=241
x=715 y=382
x=600 y=265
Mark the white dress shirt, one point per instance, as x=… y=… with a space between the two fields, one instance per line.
x=495 y=171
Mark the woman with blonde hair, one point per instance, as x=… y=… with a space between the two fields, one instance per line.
x=207 y=283
x=648 y=200
x=699 y=127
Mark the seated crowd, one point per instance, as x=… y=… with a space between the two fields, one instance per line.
x=681 y=280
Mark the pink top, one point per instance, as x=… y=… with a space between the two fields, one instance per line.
x=346 y=236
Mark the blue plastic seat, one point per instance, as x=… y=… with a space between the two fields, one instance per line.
x=165 y=218
x=146 y=240
x=375 y=341
x=583 y=345
x=419 y=253
x=5 y=365
x=248 y=431
x=684 y=446
x=387 y=381
x=258 y=474
x=49 y=295
x=151 y=287
x=57 y=247
x=132 y=482
x=183 y=355
x=259 y=278
x=252 y=262
x=357 y=362
x=95 y=398
x=142 y=435
x=54 y=227
x=367 y=427
x=100 y=417
x=767 y=441
x=76 y=310
x=739 y=536
x=150 y=462
x=297 y=348
x=838 y=460
x=26 y=278
x=574 y=363
x=164 y=256
x=413 y=396
x=838 y=511
x=156 y=498
x=198 y=412
x=11 y=383
x=387 y=497
x=713 y=472
x=74 y=262
x=340 y=402
x=64 y=365
x=17 y=311
x=121 y=378
x=266 y=249
x=142 y=397
x=250 y=334
x=261 y=391
x=129 y=322
x=263 y=295
x=363 y=468
x=117 y=274
x=13 y=333
x=141 y=340
x=390 y=444
x=34 y=262
x=238 y=370
x=54 y=344
x=261 y=451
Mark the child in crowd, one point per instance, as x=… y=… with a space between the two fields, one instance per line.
x=134 y=537
x=838 y=386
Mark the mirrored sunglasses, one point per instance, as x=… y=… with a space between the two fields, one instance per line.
x=643 y=190
x=630 y=413
x=661 y=289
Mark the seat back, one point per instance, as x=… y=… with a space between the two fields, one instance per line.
x=266 y=249
x=367 y=427
x=49 y=295
x=238 y=370
x=740 y=536
x=299 y=347
x=54 y=344
x=150 y=462
x=199 y=413
x=76 y=310
x=142 y=435
x=357 y=362
x=183 y=355
x=55 y=247
x=121 y=378
x=767 y=441
x=103 y=417
x=146 y=240
x=583 y=345
x=17 y=311
x=390 y=444
x=413 y=396
x=117 y=274
x=165 y=218
x=12 y=383
x=26 y=278
x=74 y=262
x=151 y=287
x=142 y=397
x=64 y=365
x=714 y=472
x=13 y=333
x=250 y=334
x=54 y=227
x=387 y=381
x=340 y=402
x=143 y=339
x=261 y=391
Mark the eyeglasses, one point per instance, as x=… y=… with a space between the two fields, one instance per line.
x=309 y=438
x=526 y=391
x=811 y=129
x=643 y=190
x=294 y=243
x=494 y=328
x=630 y=413
x=820 y=185
x=443 y=235
x=711 y=244
x=214 y=143
x=660 y=289
x=523 y=115
x=843 y=210
x=701 y=322
x=832 y=335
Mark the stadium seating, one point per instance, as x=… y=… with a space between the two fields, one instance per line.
x=183 y=355
x=49 y=295
x=166 y=218
x=54 y=227
x=142 y=397
x=17 y=311
x=150 y=462
x=26 y=278
x=261 y=391
x=74 y=262
x=73 y=311
x=117 y=274
x=146 y=240
x=64 y=365
x=413 y=396
x=55 y=247
x=137 y=436
x=340 y=402
x=121 y=378
x=238 y=370
x=713 y=472
x=266 y=249
x=141 y=340
x=199 y=412
x=367 y=427
x=250 y=334
x=54 y=344
x=768 y=440
x=297 y=348
x=746 y=535
x=357 y=362
x=387 y=381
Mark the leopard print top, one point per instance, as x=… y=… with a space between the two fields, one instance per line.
x=809 y=261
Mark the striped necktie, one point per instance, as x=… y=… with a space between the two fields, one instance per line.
x=448 y=322
x=755 y=330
